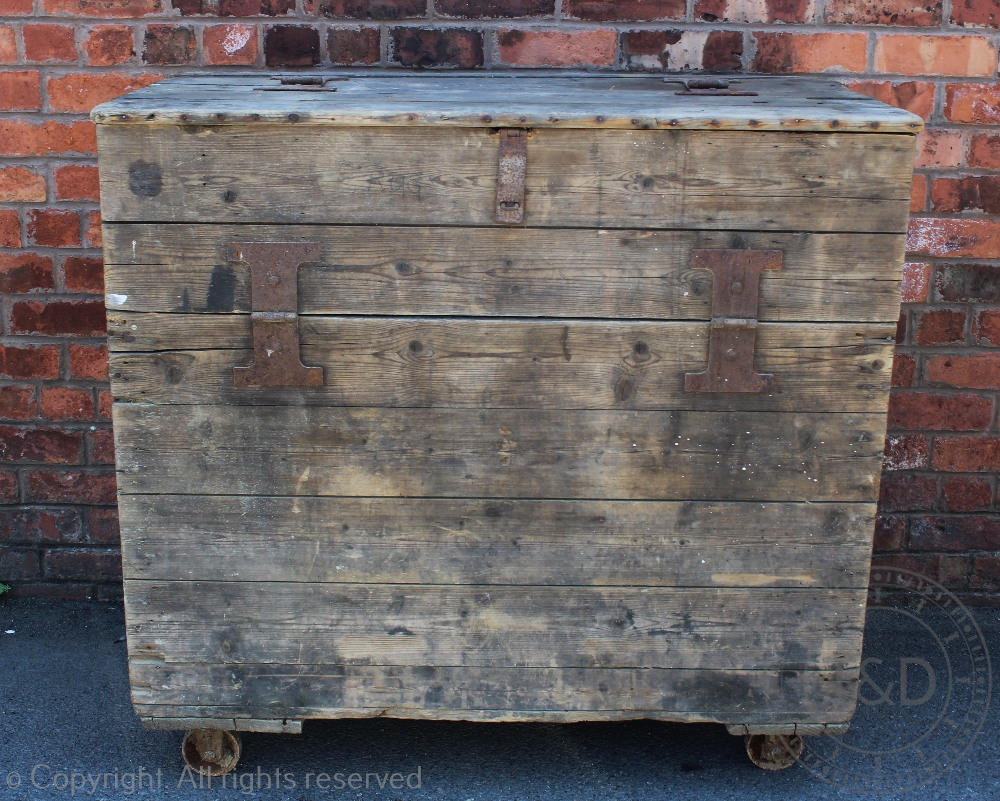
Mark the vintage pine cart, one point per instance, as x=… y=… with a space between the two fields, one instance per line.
x=499 y=398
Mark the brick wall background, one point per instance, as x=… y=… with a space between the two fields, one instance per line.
x=938 y=58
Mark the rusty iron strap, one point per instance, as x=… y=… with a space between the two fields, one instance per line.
x=274 y=321
x=733 y=331
x=511 y=166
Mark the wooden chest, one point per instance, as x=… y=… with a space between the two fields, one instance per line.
x=499 y=397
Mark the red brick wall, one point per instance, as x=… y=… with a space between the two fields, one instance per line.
x=60 y=57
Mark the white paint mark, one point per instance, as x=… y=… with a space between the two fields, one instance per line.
x=236 y=39
x=115 y=299
x=133 y=250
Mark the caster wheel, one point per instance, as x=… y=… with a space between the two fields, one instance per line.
x=211 y=752
x=774 y=751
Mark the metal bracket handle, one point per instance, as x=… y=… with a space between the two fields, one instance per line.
x=511 y=167
x=733 y=331
x=274 y=319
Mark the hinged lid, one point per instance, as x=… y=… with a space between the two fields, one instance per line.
x=523 y=99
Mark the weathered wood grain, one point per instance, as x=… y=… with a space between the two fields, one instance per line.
x=502 y=271
x=404 y=362
x=491 y=693
x=492 y=625
x=447 y=176
x=599 y=102
x=279 y=450
x=438 y=541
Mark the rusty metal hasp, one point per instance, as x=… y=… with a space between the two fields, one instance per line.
x=733 y=333
x=511 y=167
x=274 y=321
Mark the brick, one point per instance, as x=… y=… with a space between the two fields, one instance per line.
x=907 y=492
x=29 y=362
x=914 y=96
x=915 y=285
x=49 y=43
x=71 y=486
x=104 y=402
x=55 y=228
x=92 y=233
x=82 y=564
x=890 y=532
x=67 y=403
x=428 y=47
x=169 y=44
x=659 y=49
x=954 y=533
x=976 y=13
x=40 y=525
x=973 y=102
x=491 y=9
x=126 y=9
x=88 y=362
x=975 y=283
x=966 y=494
x=904 y=370
x=21 y=185
x=987 y=327
x=18 y=403
x=966 y=454
x=918 y=193
x=14 y=8
x=80 y=317
x=20 y=90
x=255 y=8
x=368 y=9
x=84 y=274
x=83 y=91
x=77 y=182
x=937 y=148
x=901 y=328
x=934 y=412
x=814 y=52
x=973 y=193
x=906 y=452
x=21 y=138
x=353 y=45
x=624 y=10
x=101 y=446
x=230 y=44
x=944 y=238
x=109 y=45
x=984 y=151
x=49 y=445
x=964 y=370
x=985 y=572
x=883 y=12
x=8 y=487
x=723 y=51
x=25 y=272
x=103 y=526
x=754 y=10
x=939 y=327
x=10 y=229
x=291 y=46
x=909 y=54
x=557 y=48
x=19 y=564
x=949 y=570
x=8 y=45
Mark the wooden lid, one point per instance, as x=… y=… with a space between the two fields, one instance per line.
x=522 y=99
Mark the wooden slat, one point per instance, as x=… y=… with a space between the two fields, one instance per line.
x=766 y=456
x=597 y=101
x=502 y=271
x=437 y=541
x=491 y=693
x=491 y=625
x=447 y=176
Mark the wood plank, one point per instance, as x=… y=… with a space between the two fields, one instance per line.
x=407 y=362
x=492 y=693
x=491 y=625
x=599 y=101
x=447 y=176
x=277 y=450
x=503 y=271
x=438 y=541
